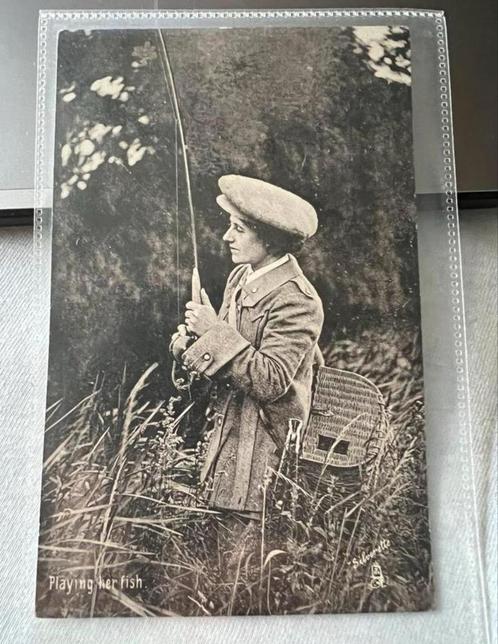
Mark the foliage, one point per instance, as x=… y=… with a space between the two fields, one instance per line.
x=298 y=107
x=119 y=498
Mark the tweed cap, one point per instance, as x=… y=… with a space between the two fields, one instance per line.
x=269 y=204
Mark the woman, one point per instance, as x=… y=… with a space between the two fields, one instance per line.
x=260 y=349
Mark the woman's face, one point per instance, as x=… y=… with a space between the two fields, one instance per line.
x=244 y=244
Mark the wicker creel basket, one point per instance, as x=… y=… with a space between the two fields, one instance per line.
x=348 y=420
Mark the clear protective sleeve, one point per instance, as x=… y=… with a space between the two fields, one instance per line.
x=459 y=613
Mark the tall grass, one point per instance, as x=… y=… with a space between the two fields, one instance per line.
x=120 y=497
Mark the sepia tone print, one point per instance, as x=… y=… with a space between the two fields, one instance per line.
x=235 y=418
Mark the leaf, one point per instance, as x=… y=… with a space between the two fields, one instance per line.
x=320 y=531
x=134 y=606
x=272 y=554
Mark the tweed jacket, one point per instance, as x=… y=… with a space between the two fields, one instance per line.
x=261 y=374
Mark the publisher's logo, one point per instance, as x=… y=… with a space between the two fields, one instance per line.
x=377 y=578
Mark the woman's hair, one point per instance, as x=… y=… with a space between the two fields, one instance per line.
x=278 y=242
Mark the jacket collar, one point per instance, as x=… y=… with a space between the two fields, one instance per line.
x=256 y=290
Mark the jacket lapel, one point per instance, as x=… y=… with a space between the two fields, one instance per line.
x=259 y=288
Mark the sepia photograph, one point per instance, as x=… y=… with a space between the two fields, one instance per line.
x=235 y=408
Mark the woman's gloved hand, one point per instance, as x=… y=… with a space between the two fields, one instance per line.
x=180 y=341
x=199 y=318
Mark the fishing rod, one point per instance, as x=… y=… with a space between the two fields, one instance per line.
x=170 y=83
x=184 y=380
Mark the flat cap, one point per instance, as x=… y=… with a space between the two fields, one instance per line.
x=269 y=204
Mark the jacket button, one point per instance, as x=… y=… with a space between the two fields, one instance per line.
x=206 y=356
x=228 y=385
x=254 y=289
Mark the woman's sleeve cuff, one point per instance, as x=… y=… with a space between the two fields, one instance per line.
x=214 y=349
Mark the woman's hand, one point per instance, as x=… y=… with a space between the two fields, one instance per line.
x=199 y=318
x=179 y=342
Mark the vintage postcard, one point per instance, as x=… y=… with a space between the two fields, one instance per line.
x=235 y=411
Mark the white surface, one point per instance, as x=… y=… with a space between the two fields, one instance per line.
x=480 y=259
x=15 y=199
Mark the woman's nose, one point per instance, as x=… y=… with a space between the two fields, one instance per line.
x=228 y=235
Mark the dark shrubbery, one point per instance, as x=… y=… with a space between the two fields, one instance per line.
x=296 y=107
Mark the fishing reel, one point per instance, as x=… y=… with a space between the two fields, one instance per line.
x=181 y=377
